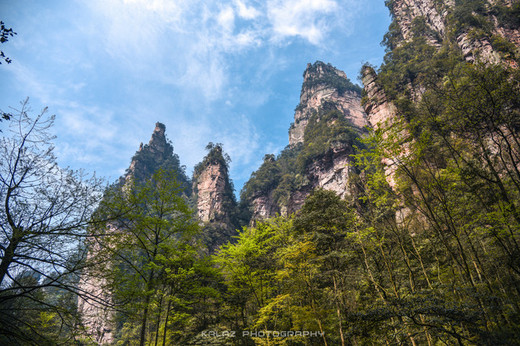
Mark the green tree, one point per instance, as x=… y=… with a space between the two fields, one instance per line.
x=152 y=258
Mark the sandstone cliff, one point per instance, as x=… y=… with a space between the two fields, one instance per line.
x=484 y=31
x=327 y=124
x=324 y=83
x=214 y=197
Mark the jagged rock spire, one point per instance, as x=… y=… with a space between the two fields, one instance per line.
x=214 y=196
x=158 y=153
x=323 y=83
x=213 y=188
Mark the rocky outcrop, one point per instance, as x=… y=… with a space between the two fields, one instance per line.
x=149 y=156
x=332 y=170
x=430 y=14
x=430 y=19
x=214 y=198
x=381 y=113
x=264 y=208
x=211 y=185
x=377 y=107
x=324 y=83
x=213 y=189
x=94 y=308
x=326 y=92
x=157 y=154
x=473 y=27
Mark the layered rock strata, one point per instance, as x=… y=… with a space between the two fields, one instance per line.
x=324 y=88
x=324 y=83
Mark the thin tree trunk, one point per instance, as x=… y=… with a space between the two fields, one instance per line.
x=168 y=309
x=158 y=321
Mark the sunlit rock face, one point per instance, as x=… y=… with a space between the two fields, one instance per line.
x=324 y=87
x=324 y=83
x=214 y=200
x=211 y=186
x=431 y=19
x=437 y=22
x=94 y=305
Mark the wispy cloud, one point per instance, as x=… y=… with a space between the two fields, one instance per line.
x=245 y=11
x=206 y=68
x=198 y=36
x=303 y=18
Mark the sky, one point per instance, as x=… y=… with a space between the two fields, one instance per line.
x=226 y=71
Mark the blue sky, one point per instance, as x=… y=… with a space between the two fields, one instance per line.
x=219 y=71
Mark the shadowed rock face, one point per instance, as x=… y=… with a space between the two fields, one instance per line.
x=150 y=156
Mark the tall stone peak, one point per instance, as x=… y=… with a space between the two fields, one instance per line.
x=323 y=83
x=212 y=186
x=158 y=153
x=97 y=318
x=327 y=125
x=158 y=142
x=214 y=197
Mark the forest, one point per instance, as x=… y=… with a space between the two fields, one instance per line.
x=424 y=250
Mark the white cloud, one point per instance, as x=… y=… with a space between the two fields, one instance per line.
x=197 y=36
x=246 y=12
x=226 y=19
x=304 y=18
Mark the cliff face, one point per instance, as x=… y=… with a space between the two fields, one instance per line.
x=479 y=28
x=211 y=187
x=484 y=30
x=214 y=197
x=479 y=31
x=327 y=122
x=96 y=316
x=324 y=83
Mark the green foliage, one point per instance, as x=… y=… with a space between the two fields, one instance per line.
x=153 y=269
x=327 y=133
x=249 y=268
x=328 y=129
x=392 y=37
x=433 y=258
x=265 y=179
x=215 y=156
x=329 y=78
x=507 y=16
x=470 y=14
